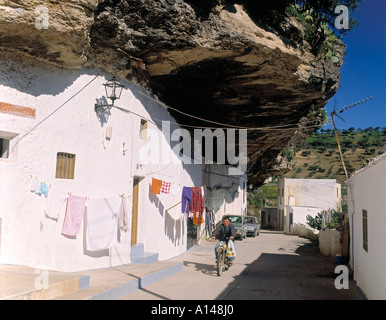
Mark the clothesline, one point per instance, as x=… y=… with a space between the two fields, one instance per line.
x=50 y=187
x=104 y=215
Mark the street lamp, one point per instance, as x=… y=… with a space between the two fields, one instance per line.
x=113 y=90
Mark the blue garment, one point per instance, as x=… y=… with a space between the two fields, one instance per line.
x=215 y=251
x=186 y=198
x=43 y=190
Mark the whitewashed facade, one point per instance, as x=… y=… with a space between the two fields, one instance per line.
x=367 y=213
x=38 y=123
x=301 y=195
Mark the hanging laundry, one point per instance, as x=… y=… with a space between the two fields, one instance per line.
x=156 y=186
x=197 y=203
x=35 y=185
x=55 y=201
x=198 y=218
x=43 y=189
x=186 y=199
x=123 y=216
x=102 y=227
x=212 y=220
x=74 y=214
x=197 y=206
x=165 y=187
x=209 y=222
x=175 y=190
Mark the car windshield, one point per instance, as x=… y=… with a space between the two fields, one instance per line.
x=250 y=220
x=235 y=219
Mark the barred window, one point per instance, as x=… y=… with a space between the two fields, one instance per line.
x=65 y=165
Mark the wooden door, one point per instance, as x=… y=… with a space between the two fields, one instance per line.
x=134 y=217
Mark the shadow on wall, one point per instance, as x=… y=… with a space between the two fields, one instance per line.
x=156 y=202
x=174 y=229
x=26 y=76
x=218 y=195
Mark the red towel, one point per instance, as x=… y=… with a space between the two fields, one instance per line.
x=197 y=203
x=165 y=187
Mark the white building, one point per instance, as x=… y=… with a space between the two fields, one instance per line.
x=299 y=197
x=47 y=117
x=367 y=203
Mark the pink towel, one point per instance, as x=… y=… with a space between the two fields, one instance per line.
x=74 y=215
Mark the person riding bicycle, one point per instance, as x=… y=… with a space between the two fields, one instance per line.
x=224 y=232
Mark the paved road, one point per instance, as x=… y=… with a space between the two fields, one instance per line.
x=270 y=266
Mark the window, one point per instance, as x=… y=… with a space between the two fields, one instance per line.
x=365 y=230
x=4 y=148
x=65 y=165
x=143 y=130
x=8 y=147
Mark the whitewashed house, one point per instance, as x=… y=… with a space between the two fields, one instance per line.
x=298 y=198
x=367 y=213
x=49 y=131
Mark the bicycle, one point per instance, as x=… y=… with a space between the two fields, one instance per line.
x=223 y=261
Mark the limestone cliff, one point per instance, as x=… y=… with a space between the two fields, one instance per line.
x=221 y=61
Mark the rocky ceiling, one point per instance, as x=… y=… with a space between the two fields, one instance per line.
x=239 y=63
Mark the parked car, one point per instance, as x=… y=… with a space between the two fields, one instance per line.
x=252 y=225
x=239 y=223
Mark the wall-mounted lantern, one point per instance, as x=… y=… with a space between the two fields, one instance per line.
x=113 y=90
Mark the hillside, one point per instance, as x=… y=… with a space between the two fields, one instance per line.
x=318 y=157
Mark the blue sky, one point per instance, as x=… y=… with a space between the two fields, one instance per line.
x=364 y=70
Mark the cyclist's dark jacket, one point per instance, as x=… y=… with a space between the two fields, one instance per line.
x=222 y=232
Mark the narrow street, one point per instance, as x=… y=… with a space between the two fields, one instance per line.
x=268 y=267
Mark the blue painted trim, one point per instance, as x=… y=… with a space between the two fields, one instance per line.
x=159 y=275
x=83 y=282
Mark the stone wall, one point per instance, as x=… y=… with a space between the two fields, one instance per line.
x=329 y=242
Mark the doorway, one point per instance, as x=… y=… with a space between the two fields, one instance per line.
x=134 y=214
x=192 y=234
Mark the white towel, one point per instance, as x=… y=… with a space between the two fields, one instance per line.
x=35 y=185
x=175 y=190
x=123 y=216
x=102 y=225
x=55 y=201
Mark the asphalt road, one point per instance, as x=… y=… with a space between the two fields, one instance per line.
x=272 y=266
